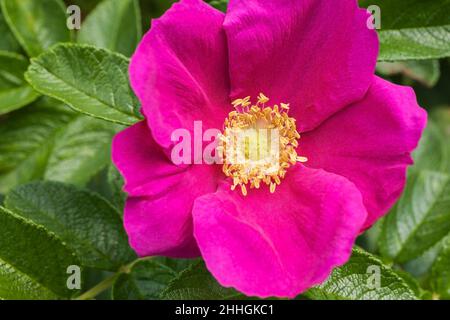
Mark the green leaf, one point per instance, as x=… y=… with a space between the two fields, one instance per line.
x=148 y=278
x=440 y=272
x=85 y=5
x=413 y=29
x=37 y=25
x=15 y=285
x=356 y=281
x=50 y=141
x=441 y=117
x=414 y=285
x=90 y=80
x=116 y=183
x=196 y=283
x=33 y=251
x=219 y=4
x=416 y=43
x=26 y=142
x=420 y=266
x=433 y=152
x=14 y=91
x=7 y=41
x=426 y=72
x=89 y=225
x=114 y=25
x=369 y=239
x=419 y=219
x=81 y=150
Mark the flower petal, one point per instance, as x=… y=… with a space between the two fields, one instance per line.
x=279 y=244
x=143 y=164
x=370 y=144
x=317 y=55
x=180 y=70
x=158 y=214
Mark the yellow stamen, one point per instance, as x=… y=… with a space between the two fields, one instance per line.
x=272 y=187
x=262 y=98
x=256 y=148
x=243 y=189
x=241 y=102
x=284 y=106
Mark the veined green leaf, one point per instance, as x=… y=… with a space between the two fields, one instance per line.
x=364 y=277
x=15 y=285
x=14 y=91
x=441 y=117
x=148 y=278
x=403 y=236
x=47 y=140
x=81 y=150
x=416 y=43
x=87 y=223
x=413 y=29
x=196 y=283
x=114 y=25
x=116 y=183
x=37 y=25
x=433 y=152
x=440 y=272
x=420 y=266
x=420 y=219
x=90 y=80
x=33 y=251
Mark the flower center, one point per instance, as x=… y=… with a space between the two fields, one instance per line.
x=258 y=144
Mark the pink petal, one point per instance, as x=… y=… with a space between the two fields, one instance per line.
x=370 y=144
x=180 y=70
x=317 y=55
x=158 y=214
x=279 y=244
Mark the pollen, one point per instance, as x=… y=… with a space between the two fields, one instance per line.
x=258 y=144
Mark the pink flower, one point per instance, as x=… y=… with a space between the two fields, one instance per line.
x=357 y=132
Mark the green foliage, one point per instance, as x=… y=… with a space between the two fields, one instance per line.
x=413 y=29
x=114 y=25
x=14 y=91
x=47 y=140
x=28 y=249
x=146 y=279
x=196 y=283
x=7 y=41
x=116 y=183
x=37 y=25
x=356 y=281
x=420 y=219
x=65 y=73
x=219 y=4
x=14 y=285
x=441 y=271
x=88 y=224
x=433 y=152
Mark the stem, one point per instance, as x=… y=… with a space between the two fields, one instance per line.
x=108 y=282
x=102 y=286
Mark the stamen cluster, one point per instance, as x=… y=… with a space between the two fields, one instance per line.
x=273 y=157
